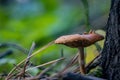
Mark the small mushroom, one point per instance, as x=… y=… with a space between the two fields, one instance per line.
x=80 y=41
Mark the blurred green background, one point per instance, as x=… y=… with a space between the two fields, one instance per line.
x=42 y=21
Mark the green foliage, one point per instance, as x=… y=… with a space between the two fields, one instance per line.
x=96 y=72
x=43 y=21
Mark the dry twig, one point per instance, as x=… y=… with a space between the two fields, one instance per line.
x=38 y=51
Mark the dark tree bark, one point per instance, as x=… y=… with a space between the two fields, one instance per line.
x=110 y=60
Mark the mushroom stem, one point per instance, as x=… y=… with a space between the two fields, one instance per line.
x=81 y=60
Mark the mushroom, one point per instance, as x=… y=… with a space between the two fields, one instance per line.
x=80 y=41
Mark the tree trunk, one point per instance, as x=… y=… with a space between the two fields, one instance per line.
x=110 y=60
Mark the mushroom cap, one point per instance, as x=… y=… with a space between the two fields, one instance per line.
x=77 y=40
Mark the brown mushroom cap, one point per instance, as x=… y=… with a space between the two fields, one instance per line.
x=77 y=40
